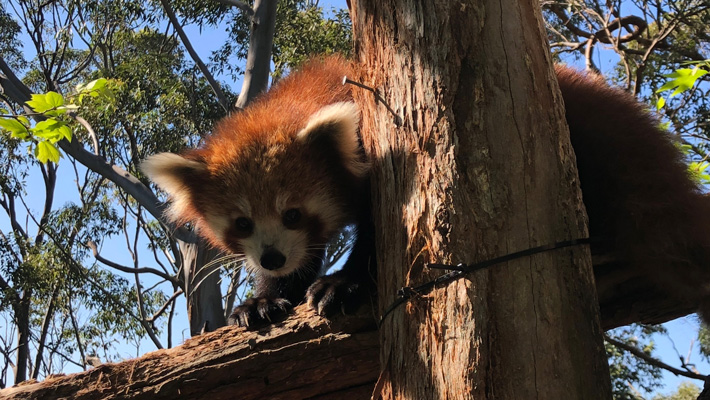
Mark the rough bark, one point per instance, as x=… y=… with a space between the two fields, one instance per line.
x=303 y=357
x=480 y=167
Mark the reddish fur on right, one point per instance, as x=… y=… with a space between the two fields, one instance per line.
x=637 y=188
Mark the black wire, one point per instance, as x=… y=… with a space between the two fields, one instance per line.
x=460 y=270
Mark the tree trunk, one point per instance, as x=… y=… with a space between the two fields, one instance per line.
x=480 y=167
x=22 y=315
x=261 y=39
x=205 y=309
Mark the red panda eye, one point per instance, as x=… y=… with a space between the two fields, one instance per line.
x=243 y=225
x=291 y=217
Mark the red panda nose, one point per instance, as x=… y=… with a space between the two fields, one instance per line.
x=272 y=259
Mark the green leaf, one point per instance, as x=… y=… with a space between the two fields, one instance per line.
x=52 y=130
x=64 y=133
x=96 y=88
x=45 y=151
x=15 y=127
x=698 y=170
x=660 y=103
x=682 y=80
x=97 y=84
x=44 y=102
x=47 y=124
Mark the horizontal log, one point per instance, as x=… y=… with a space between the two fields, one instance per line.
x=302 y=357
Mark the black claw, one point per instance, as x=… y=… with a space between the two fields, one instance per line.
x=259 y=311
x=332 y=294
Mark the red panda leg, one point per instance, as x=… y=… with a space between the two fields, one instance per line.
x=346 y=290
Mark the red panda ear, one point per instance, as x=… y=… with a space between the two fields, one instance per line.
x=337 y=125
x=175 y=175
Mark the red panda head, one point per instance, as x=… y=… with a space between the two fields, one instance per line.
x=276 y=181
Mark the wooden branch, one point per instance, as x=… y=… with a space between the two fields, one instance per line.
x=653 y=361
x=261 y=39
x=195 y=57
x=305 y=356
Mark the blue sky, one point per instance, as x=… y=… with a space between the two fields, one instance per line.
x=683 y=331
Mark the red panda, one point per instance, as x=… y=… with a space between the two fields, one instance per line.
x=276 y=181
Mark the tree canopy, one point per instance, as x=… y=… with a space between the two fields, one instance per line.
x=87 y=264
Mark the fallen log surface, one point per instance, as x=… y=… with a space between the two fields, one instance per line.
x=305 y=356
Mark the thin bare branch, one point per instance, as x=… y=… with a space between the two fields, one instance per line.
x=193 y=54
x=129 y=270
x=162 y=309
x=43 y=334
x=89 y=129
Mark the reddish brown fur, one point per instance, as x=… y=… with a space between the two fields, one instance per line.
x=278 y=115
x=236 y=153
x=295 y=149
x=636 y=186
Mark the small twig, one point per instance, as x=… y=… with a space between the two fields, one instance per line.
x=90 y=244
x=87 y=126
x=378 y=97
x=165 y=305
x=77 y=335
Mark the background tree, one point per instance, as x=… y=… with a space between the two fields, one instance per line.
x=641 y=42
x=66 y=293
x=685 y=391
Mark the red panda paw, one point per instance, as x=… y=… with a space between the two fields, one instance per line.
x=331 y=294
x=259 y=311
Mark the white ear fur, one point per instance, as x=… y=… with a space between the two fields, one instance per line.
x=171 y=173
x=340 y=121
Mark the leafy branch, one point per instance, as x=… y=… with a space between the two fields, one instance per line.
x=682 y=80
x=52 y=106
